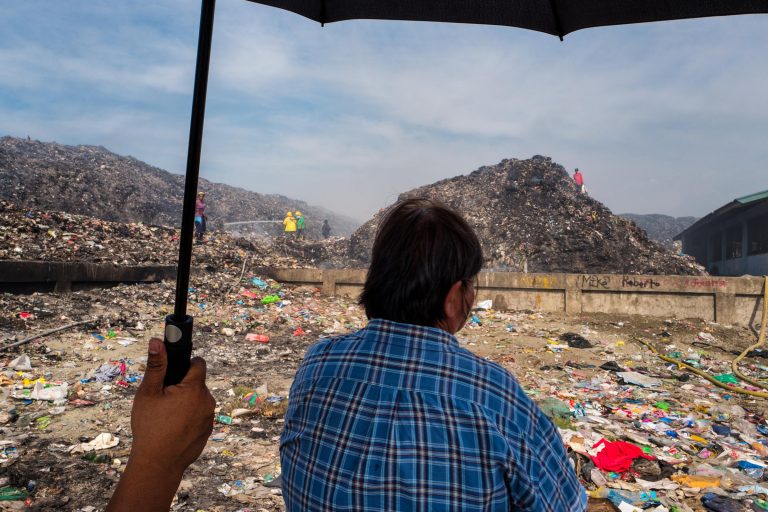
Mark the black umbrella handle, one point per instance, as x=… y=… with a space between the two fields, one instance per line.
x=178 y=346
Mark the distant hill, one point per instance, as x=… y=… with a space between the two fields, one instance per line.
x=530 y=216
x=661 y=228
x=93 y=181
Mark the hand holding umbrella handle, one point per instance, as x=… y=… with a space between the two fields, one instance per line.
x=178 y=346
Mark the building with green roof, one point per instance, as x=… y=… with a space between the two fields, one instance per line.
x=732 y=240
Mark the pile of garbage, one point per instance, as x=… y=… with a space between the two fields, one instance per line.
x=91 y=180
x=57 y=236
x=332 y=252
x=531 y=217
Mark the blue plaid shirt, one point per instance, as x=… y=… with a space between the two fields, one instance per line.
x=400 y=417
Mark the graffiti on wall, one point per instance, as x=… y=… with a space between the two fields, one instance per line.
x=705 y=283
x=537 y=281
x=642 y=283
x=601 y=282
x=594 y=281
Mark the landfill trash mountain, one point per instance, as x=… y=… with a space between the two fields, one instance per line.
x=30 y=234
x=531 y=217
x=57 y=236
x=90 y=180
x=661 y=228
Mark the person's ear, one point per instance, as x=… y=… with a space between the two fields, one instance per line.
x=454 y=308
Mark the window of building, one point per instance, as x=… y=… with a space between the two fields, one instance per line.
x=757 y=235
x=733 y=243
x=716 y=246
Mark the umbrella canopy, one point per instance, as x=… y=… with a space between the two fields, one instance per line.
x=556 y=17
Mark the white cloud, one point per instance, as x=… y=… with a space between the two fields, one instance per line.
x=351 y=114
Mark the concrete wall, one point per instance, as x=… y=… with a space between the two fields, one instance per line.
x=727 y=300
x=62 y=276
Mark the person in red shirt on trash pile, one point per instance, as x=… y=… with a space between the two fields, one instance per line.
x=579 y=179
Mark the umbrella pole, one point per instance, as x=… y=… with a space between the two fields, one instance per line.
x=178 y=327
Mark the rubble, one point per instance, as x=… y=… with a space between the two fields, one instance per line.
x=695 y=439
x=329 y=253
x=57 y=236
x=95 y=376
x=530 y=217
x=528 y=213
x=90 y=180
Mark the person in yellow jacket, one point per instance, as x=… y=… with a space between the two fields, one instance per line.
x=290 y=224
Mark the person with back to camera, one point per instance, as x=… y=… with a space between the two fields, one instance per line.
x=289 y=224
x=301 y=225
x=398 y=416
x=326 y=229
x=200 y=218
x=394 y=417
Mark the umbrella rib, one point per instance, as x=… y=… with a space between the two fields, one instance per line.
x=322 y=13
x=555 y=15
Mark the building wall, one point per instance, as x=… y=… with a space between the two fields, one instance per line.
x=710 y=245
x=756 y=265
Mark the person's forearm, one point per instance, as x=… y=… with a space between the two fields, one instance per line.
x=162 y=450
x=146 y=487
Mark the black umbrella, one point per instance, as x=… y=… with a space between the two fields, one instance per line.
x=556 y=17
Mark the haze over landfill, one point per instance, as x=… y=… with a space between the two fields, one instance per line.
x=529 y=214
x=661 y=118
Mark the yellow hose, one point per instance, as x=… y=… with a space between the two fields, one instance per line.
x=683 y=366
x=760 y=341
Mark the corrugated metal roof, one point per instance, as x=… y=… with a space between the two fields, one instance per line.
x=753 y=197
x=729 y=209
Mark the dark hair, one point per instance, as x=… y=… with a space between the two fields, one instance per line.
x=421 y=249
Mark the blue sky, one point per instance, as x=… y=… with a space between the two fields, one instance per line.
x=661 y=118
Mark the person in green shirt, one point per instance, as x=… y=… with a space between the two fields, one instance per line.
x=301 y=224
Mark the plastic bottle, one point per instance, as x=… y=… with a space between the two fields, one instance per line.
x=223 y=418
x=557 y=411
x=618 y=497
x=98 y=458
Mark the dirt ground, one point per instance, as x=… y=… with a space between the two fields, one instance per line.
x=37 y=435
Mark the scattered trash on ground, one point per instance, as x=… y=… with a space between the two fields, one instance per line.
x=644 y=433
